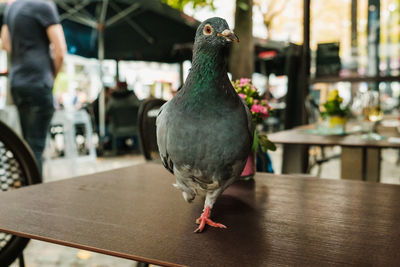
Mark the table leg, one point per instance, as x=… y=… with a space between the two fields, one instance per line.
x=373 y=165
x=360 y=164
x=351 y=161
x=295 y=159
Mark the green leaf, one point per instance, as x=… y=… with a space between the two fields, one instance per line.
x=255 y=142
x=243 y=6
x=266 y=144
x=180 y=4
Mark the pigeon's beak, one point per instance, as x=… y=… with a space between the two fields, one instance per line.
x=229 y=35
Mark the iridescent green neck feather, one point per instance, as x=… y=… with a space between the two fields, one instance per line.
x=207 y=75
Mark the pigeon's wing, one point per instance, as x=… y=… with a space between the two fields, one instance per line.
x=250 y=124
x=162 y=135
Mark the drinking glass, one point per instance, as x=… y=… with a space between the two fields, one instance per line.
x=371 y=114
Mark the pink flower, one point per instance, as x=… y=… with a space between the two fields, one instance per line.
x=260 y=109
x=256 y=108
x=264 y=102
x=243 y=81
x=242 y=96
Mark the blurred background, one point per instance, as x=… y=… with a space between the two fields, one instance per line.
x=348 y=38
x=295 y=51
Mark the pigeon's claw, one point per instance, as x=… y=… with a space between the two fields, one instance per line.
x=205 y=219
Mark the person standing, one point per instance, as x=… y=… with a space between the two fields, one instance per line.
x=33 y=36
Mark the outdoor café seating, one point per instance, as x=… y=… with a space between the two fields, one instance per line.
x=123 y=124
x=147 y=127
x=18 y=168
x=278 y=122
x=69 y=125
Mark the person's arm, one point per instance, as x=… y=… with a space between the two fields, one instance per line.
x=5 y=38
x=58 y=46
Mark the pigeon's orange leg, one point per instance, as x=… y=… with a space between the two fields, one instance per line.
x=205 y=219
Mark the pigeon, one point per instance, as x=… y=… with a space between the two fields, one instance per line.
x=205 y=133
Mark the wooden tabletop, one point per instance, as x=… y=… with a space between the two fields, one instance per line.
x=302 y=136
x=136 y=213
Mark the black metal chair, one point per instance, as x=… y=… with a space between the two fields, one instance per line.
x=123 y=123
x=18 y=167
x=148 y=112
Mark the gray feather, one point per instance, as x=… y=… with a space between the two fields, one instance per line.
x=205 y=132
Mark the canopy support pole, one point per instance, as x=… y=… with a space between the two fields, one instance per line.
x=124 y=14
x=117 y=70
x=101 y=58
x=74 y=13
x=181 y=73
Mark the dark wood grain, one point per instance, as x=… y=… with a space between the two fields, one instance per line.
x=135 y=213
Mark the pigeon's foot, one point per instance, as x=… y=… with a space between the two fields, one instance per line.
x=205 y=219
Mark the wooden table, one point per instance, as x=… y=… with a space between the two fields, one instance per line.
x=135 y=213
x=360 y=159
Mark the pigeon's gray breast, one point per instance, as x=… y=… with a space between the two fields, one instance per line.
x=214 y=143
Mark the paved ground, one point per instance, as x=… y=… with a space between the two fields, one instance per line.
x=41 y=254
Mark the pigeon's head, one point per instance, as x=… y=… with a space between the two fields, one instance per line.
x=214 y=33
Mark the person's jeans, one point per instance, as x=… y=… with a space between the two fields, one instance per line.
x=35 y=108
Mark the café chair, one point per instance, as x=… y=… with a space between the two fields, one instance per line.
x=18 y=168
x=263 y=161
x=123 y=123
x=148 y=112
x=70 y=125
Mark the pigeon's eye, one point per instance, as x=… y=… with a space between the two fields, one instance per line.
x=208 y=29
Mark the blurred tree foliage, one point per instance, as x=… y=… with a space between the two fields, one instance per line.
x=179 y=4
x=270 y=9
x=241 y=63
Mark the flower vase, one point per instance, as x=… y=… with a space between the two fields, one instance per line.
x=337 y=124
x=337 y=121
x=333 y=125
x=250 y=167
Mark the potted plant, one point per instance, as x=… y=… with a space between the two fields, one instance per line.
x=260 y=110
x=334 y=113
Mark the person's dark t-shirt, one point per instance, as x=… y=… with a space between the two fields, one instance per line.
x=27 y=21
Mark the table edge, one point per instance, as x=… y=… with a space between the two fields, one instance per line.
x=96 y=250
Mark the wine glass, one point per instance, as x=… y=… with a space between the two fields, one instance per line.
x=356 y=107
x=371 y=114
